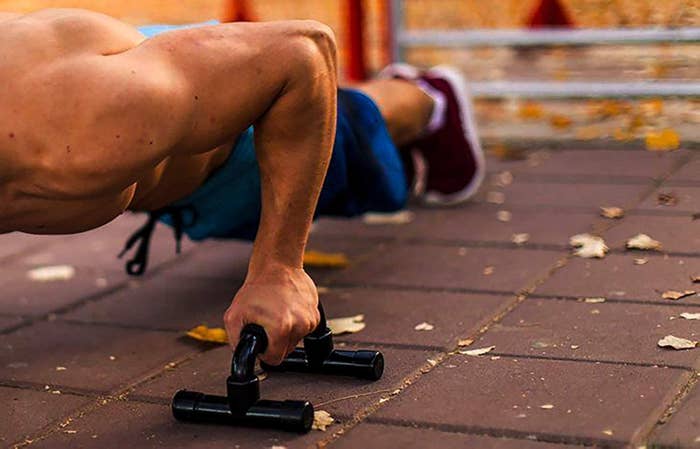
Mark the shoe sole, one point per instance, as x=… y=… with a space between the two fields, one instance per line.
x=456 y=81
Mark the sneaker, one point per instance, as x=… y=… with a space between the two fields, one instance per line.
x=453 y=153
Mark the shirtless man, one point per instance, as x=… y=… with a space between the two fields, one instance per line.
x=97 y=119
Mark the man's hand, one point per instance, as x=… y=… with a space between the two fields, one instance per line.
x=284 y=301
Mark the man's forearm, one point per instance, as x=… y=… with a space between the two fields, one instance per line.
x=294 y=141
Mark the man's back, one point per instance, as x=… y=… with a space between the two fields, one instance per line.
x=55 y=175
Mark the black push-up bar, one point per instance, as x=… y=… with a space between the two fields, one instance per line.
x=242 y=404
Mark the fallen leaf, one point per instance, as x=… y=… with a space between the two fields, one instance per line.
x=488 y=270
x=643 y=241
x=676 y=295
x=504 y=216
x=520 y=239
x=652 y=108
x=318 y=259
x=465 y=342
x=695 y=279
x=322 y=419
x=346 y=325
x=575 y=346
x=530 y=110
x=211 y=335
x=588 y=246
x=588 y=132
x=593 y=300
x=608 y=432
x=612 y=212
x=502 y=179
x=391 y=218
x=432 y=362
x=667 y=199
x=424 y=327
x=495 y=197
x=52 y=273
x=662 y=140
x=477 y=352
x=669 y=341
x=547 y=406
x=505 y=153
x=690 y=316
x=560 y=121
x=641 y=261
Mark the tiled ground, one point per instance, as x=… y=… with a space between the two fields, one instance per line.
x=93 y=361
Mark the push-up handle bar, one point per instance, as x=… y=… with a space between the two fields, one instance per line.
x=242 y=404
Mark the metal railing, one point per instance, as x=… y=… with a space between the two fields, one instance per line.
x=404 y=39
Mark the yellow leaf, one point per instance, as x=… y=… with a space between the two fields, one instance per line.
x=318 y=259
x=346 y=325
x=322 y=419
x=588 y=132
x=664 y=140
x=622 y=135
x=530 y=110
x=505 y=153
x=560 y=121
x=208 y=334
x=652 y=108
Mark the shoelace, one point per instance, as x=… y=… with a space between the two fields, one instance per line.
x=138 y=264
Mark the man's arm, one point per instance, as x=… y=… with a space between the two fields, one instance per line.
x=191 y=90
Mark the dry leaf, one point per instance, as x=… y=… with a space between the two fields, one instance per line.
x=318 y=259
x=391 y=218
x=695 y=279
x=612 y=212
x=530 y=110
x=465 y=342
x=623 y=135
x=608 y=432
x=52 y=273
x=560 y=121
x=588 y=132
x=520 y=239
x=667 y=199
x=211 y=335
x=503 y=179
x=495 y=198
x=669 y=341
x=575 y=346
x=322 y=419
x=652 y=108
x=676 y=295
x=478 y=352
x=641 y=261
x=690 y=316
x=346 y=325
x=593 y=300
x=424 y=327
x=506 y=153
x=664 y=140
x=643 y=241
x=547 y=406
x=488 y=270
x=588 y=246
x=504 y=216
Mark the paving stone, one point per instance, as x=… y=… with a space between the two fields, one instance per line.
x=165 y=302
x=677 y=234
x=683 y=430
x=688 y=173
x=617 y=277
x=17 y=242
x=611 y=163
x=227 y=259
x=7 y=322
x=137 y=425
x=99 y=248
x=379 y=435
x=31 y=354
x=340 y=396
x=576 y=194
x=473 y=222
x=453 y=315
x=22 y=296
x=478 y=392
x=688 y=200
x=606 y=331
x=415 y=266
x=26 y=411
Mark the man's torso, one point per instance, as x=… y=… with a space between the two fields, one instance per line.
x=38 y=193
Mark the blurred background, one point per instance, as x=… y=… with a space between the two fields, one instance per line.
x=540 y=73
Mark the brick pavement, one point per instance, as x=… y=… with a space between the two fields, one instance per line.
x=93 y=361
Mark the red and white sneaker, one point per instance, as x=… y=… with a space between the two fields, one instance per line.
x=455 y=160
